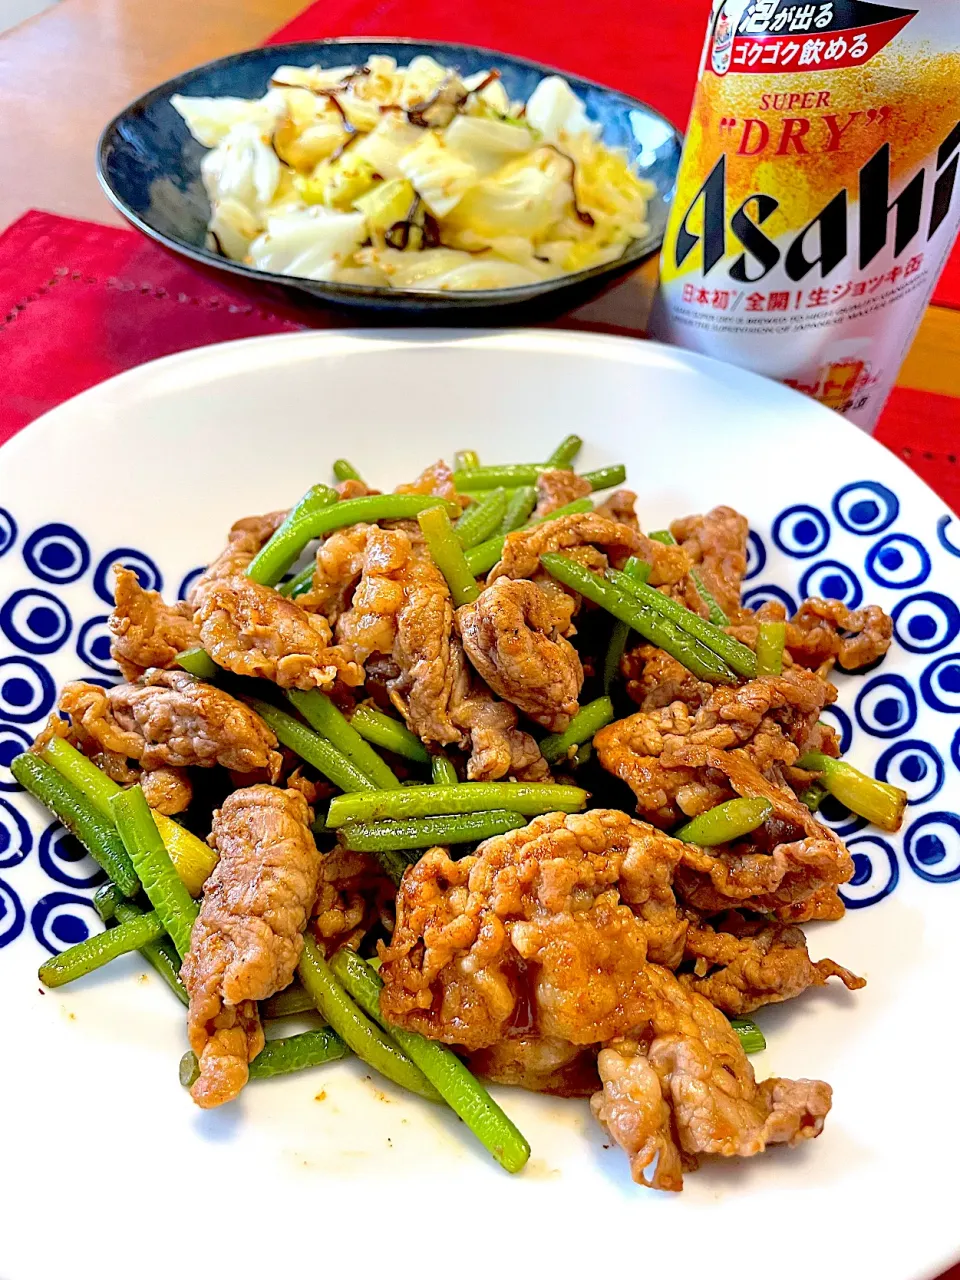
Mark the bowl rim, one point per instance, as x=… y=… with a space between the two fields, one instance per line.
x=635 y=253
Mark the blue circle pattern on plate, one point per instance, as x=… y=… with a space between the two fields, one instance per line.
x=61 y=920
x=756 y=555
x=8 y=531
x=875 y=872
x=65 y=860
x=27 y=691
x=943 y=524
x=898 y=561
x=188 y=580
x=932 y=847
x=838 y=719
x=866 y=507
x=56 y=553
x=833 y=581
x=761 y=595
x=35 y=621
x=913 y=765
x=93 y=646
x=801 y=532
x=12 y=915
x=926 y=622
x=886 y=707
x=16 y=839
x=13 y=741
x=151 y=579
x=940 y=684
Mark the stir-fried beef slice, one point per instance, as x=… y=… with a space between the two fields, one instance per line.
x=171 y=718
x=794 y=881
x=247 y=938
x=772 y=718
x=354 y=895
x=655 y=680
x=543 y=930
x=823 y=632
x=717 y=546
x=522 y=550
x=252 y=630
x=244 y=540
x=438 y=481
x=401 y=607
x=683 y=1088
x=514 y=639
x=353 y=489
x=541 y=1064
x=621 y=507
x=556 y=488
x=167 y=790
x=146 y=632
x=739 y=964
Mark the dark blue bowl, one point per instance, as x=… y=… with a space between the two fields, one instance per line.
x=149 y=165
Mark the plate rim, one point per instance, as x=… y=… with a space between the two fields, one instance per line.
x=373 y=295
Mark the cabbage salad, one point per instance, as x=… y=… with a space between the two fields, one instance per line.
x=413 y=178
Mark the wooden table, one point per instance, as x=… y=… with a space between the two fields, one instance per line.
x=64 y=73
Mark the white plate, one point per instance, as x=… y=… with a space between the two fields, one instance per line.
x=108 y=1169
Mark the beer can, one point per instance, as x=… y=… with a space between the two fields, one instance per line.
x=817 y=199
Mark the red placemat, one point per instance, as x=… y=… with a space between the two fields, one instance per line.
x=650 y=53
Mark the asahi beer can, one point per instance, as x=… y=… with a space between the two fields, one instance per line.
x=817 y=199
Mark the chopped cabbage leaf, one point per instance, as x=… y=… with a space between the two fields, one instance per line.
x=556 y=111
x=313 y=78
x=421 y=80
x=233 y=227
x=243 y=167
x=338 y=183
x=437 y=268
x=303 y=148
x=211 y=119
x=384 y=148
x=487 y=143
x=438 y=174
x=309 y=242
x=525 y=197
x=387 y=203
x=492 y=99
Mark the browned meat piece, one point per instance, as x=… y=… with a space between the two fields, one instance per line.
x=353 y=489
x=621 y=507
x=341 y=558
x=825 y=629
x=247 y=938
x=771 y=717
x=171 y=718
x=516 y=642
x=114 y=765
x=631 y=750
x=436 y=480
x=795 y=880
x=556 y=488
x=252 y=630
x=717 y=546
x=522 y=550
x=167 y=790
x=354 y=894
x=498 y=748
x=244 y=540
x=554 y=939
x=822 y=632
x=147 y=632
x=686 y=1089
x=740 y=965
x=541 y=1064
x=402 y=607
x=544 y=928
x=654 y=680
